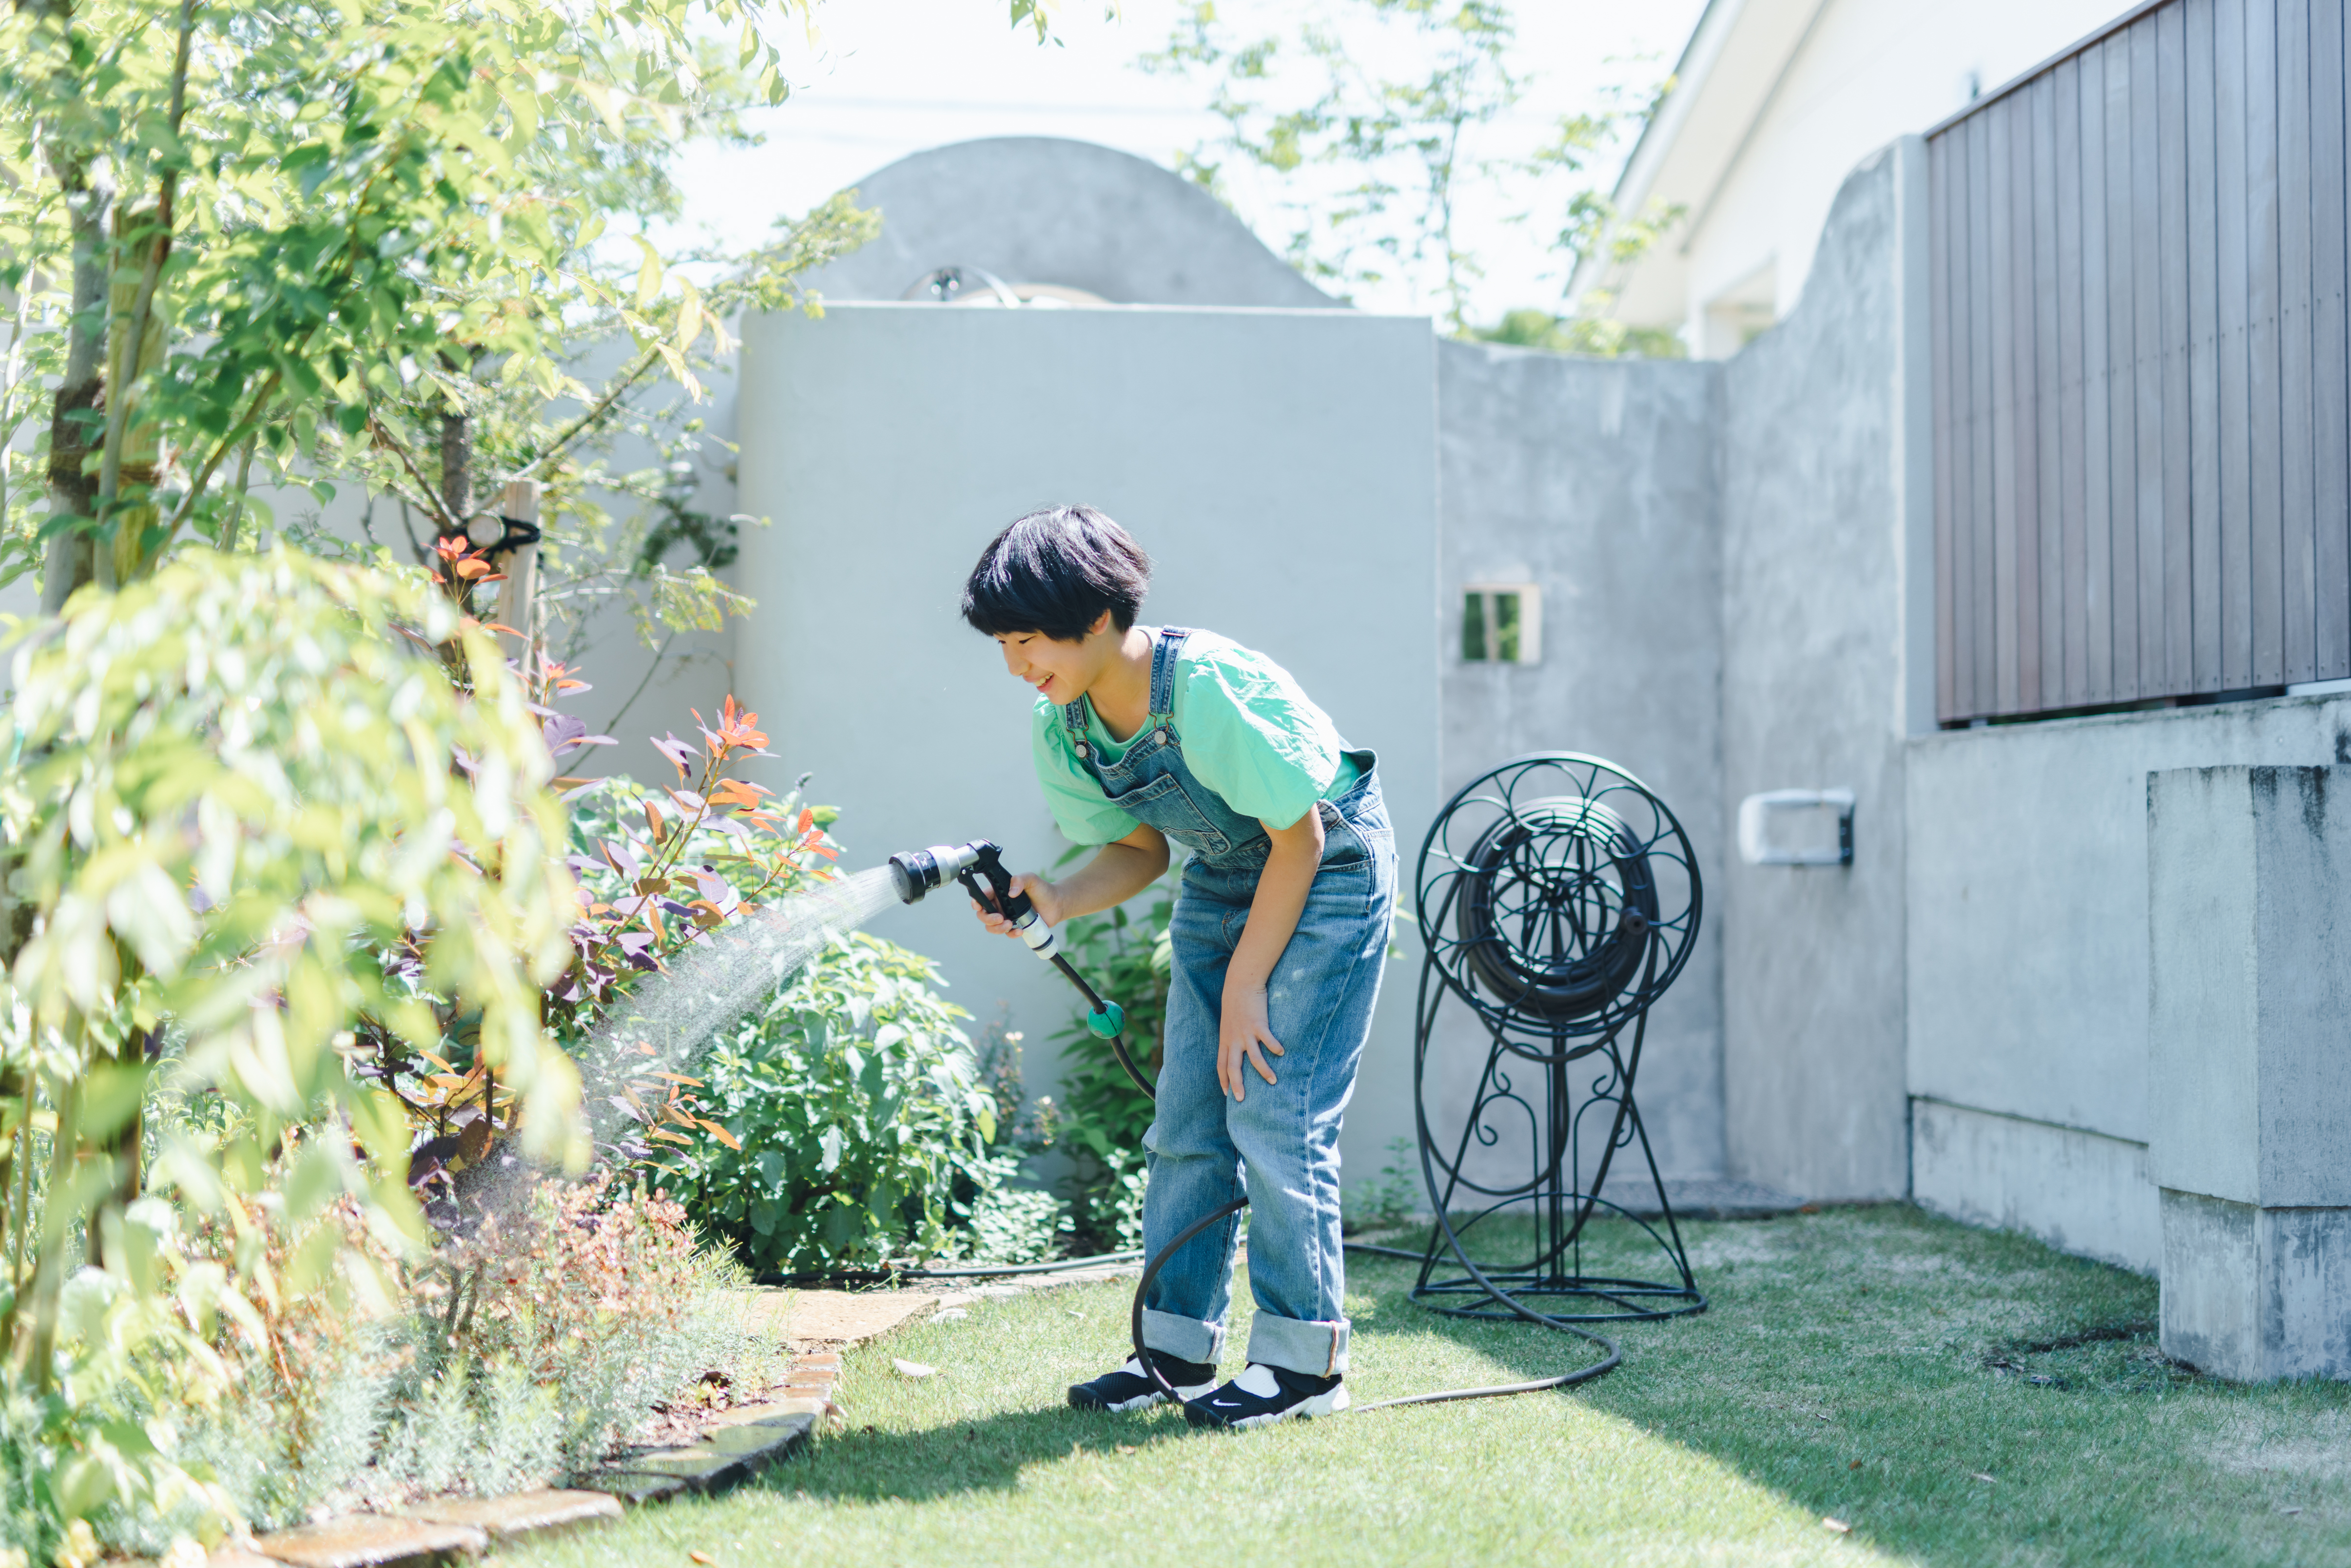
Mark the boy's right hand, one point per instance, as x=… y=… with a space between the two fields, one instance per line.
x=1042 y=894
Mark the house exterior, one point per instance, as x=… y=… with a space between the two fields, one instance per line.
x=1773 y=103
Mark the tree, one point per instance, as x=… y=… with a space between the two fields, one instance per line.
x=1369 y=130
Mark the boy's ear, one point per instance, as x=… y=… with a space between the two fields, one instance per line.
x=1101 y=623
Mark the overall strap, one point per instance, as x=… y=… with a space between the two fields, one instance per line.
x=1163 y=652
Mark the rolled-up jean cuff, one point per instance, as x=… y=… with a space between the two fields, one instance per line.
x=1318 y=1350
x=1186 y=1339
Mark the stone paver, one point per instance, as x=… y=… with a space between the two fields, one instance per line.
x=638 y=1490
x=850 y=1316
x=524 y=1514
x=725 y=1456
x=373 y=1541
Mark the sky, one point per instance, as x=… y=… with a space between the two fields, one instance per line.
x=885 y=78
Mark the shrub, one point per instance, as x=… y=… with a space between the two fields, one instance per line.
x=238 y=785
x=862 y=1127
x=1104 y=1115
x=518 y=1356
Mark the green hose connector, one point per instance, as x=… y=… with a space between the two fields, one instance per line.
x=1107 y=1021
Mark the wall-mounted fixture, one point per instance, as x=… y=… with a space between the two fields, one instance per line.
x=1755 y=845
x=1501 y=624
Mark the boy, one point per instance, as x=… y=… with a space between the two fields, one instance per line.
x=1279 y=934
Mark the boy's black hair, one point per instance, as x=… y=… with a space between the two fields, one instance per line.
x=1055 y=572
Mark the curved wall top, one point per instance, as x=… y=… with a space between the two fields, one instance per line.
x=1039 y=209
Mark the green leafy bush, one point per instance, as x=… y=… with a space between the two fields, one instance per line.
x=862 y=1126
x=1103 y=1115
x=238 y=786
x=517 y=1356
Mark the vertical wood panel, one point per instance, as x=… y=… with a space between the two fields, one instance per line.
x=2330 y=170
x=1939 y=244
x=2297 y=461
x=2142 y=328
x=1983 y=513
x=2009 y=324
x=2098 y=490
x=2065 y=308
x=2171 y=144
x=2122 y=360
x=2223 y=509
x=2262 y=662
x=2049 y=575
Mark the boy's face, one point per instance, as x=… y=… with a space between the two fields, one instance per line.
x=1060 y=671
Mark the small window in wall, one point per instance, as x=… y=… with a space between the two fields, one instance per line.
x=1501 y=624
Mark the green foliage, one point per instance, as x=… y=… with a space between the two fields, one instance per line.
x=247 y=802
x=1103 y=1114
x=1129 y=960
x=514 y=1359
x=331 y=204
x=1368 y=124
x=863 y=1128
x=1392 y=1197
x=1585 y=332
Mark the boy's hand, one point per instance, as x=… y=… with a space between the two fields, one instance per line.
x=1240 y=1036
x=1042 y=894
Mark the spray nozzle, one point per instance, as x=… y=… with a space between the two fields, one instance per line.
x=979 y=866
x=916 y=871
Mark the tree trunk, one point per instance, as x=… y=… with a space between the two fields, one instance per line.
x=457 y=467
x=90 y=196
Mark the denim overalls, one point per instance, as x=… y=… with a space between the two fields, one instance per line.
x=1284 y=1136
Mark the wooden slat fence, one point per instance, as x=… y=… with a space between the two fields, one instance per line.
x=2142 y=380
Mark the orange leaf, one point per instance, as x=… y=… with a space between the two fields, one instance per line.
x=807 y=820
x=721 y=1133
x=673 y=1137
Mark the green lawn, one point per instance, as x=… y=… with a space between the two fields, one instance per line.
x=1873 y=1365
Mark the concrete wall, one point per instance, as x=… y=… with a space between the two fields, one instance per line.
x=1281 y=467
x=1814 y=694
x=1595 y=480
x=2027 y=961
x=1038 y=209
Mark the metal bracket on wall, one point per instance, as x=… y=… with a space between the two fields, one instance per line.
x=1755 y=846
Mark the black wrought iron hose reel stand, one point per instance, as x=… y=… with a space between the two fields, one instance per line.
x=1558 y=898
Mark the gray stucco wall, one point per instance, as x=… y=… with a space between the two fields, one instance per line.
x=1280 y=466
x=1813 y=688
x=1595 y=480
x=2028 y=956
x=1038 y=209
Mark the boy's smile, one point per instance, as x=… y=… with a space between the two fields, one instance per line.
x=1110 y=667
x=1055 y=670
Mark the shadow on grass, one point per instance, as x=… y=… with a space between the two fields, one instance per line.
x=989 y=1452
x=1965 y=1397
x=1954 y=1396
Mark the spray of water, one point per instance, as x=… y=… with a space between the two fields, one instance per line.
x=666 y=1022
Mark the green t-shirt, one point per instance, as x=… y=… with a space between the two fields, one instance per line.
x=1249 y=733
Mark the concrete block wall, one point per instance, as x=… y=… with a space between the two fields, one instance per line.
x=2027 y=961
x=2248 y=898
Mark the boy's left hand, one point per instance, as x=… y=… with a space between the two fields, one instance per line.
x=1242 y=1033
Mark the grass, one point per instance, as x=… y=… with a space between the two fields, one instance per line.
x=1957 y=1397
